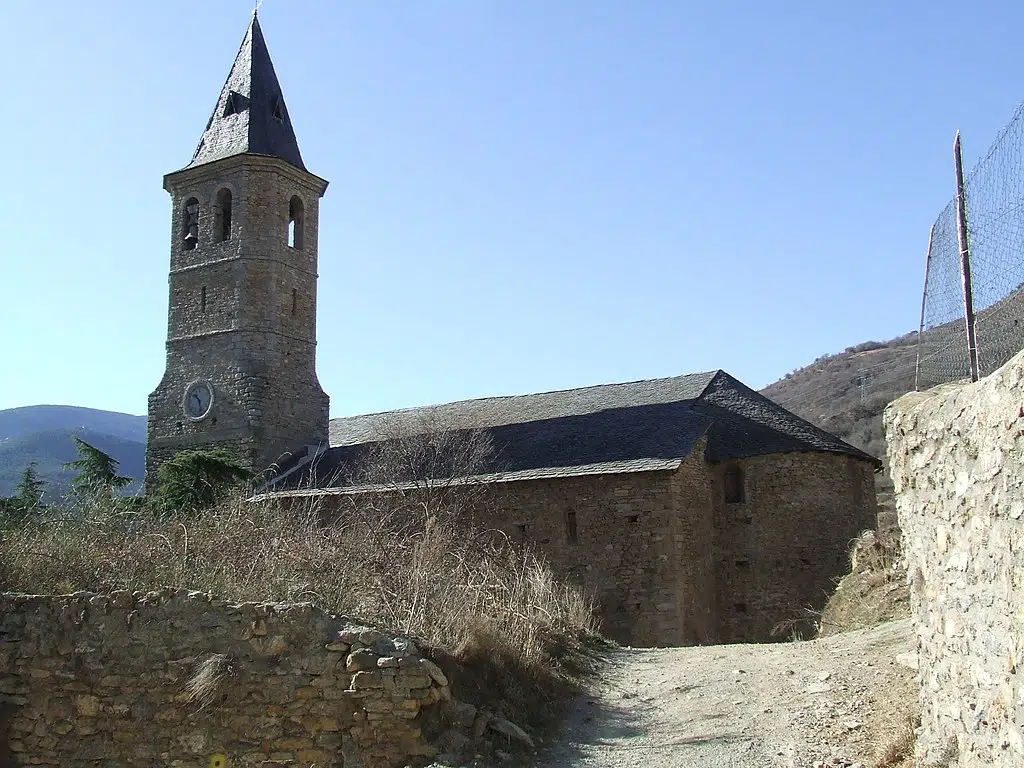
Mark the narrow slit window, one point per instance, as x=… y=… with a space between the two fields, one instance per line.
x=190 y=227
x=295 y=223
x=202 y=299
x=571 y=530
x=295 y=300
x=224 y=215
x=735 y=492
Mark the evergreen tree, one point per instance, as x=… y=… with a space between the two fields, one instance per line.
x=28 y=493
x=95 y=471
x=196 y=480
x=27 y=498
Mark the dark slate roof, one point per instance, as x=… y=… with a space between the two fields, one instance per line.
x=640 y=426
x=640 y=438
x=517 y=409
x=250 y=116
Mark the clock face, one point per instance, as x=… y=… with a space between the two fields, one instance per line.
x=198 y=399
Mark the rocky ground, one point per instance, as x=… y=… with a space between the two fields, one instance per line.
x=837 y=701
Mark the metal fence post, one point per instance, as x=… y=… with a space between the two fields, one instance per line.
x=965 y=256
x=924 y=306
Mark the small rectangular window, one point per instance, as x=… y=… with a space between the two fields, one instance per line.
x=521 y=530
x=223 y=217
x=571 y=532
x=740 y=607
x=732 y=480
x=743 y=564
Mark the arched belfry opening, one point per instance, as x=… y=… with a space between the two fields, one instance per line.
x=295 y=222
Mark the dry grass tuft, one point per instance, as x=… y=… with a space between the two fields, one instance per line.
x=898 y=749
x=206 y=686
x=874 y=591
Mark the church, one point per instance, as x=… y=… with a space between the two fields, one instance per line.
x=693 y=508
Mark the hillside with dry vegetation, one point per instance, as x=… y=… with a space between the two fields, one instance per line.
x=846 y=393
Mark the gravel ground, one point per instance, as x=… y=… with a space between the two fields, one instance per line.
x=789 y=705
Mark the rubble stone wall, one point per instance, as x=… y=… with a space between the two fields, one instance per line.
x=174 y=678
x=625 y=538
x=955 y=453
x=779 y=550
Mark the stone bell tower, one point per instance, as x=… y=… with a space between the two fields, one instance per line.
x=241 y=324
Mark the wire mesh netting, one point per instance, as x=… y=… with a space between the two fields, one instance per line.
x=994 y=192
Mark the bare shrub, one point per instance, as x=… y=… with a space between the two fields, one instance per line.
x=421 y=467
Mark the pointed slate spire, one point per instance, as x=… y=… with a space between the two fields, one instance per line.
x=250 y=116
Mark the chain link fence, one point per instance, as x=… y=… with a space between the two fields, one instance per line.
x=994 y=194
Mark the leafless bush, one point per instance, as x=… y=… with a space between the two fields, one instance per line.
x=421 y=468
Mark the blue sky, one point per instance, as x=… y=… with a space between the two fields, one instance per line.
x=525 y=195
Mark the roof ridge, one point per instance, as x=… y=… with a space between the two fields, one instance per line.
x=712 y=373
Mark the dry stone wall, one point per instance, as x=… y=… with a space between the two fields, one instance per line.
x=175 y=679
x=955 y=454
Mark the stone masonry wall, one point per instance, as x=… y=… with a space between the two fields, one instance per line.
x=624 y=551
x=955 y=453
x=778 y=552
x=94 y=679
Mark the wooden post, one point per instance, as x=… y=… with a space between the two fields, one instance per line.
x=965 y=256
x=924 y=303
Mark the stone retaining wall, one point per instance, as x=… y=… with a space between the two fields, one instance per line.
x=173 y=678
x=955 y=454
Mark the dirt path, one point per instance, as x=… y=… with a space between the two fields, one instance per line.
x=787 y=705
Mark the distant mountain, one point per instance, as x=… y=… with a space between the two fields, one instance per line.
x=42 y=433
x=15 y=422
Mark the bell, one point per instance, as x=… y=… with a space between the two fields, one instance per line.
x=191 y=239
